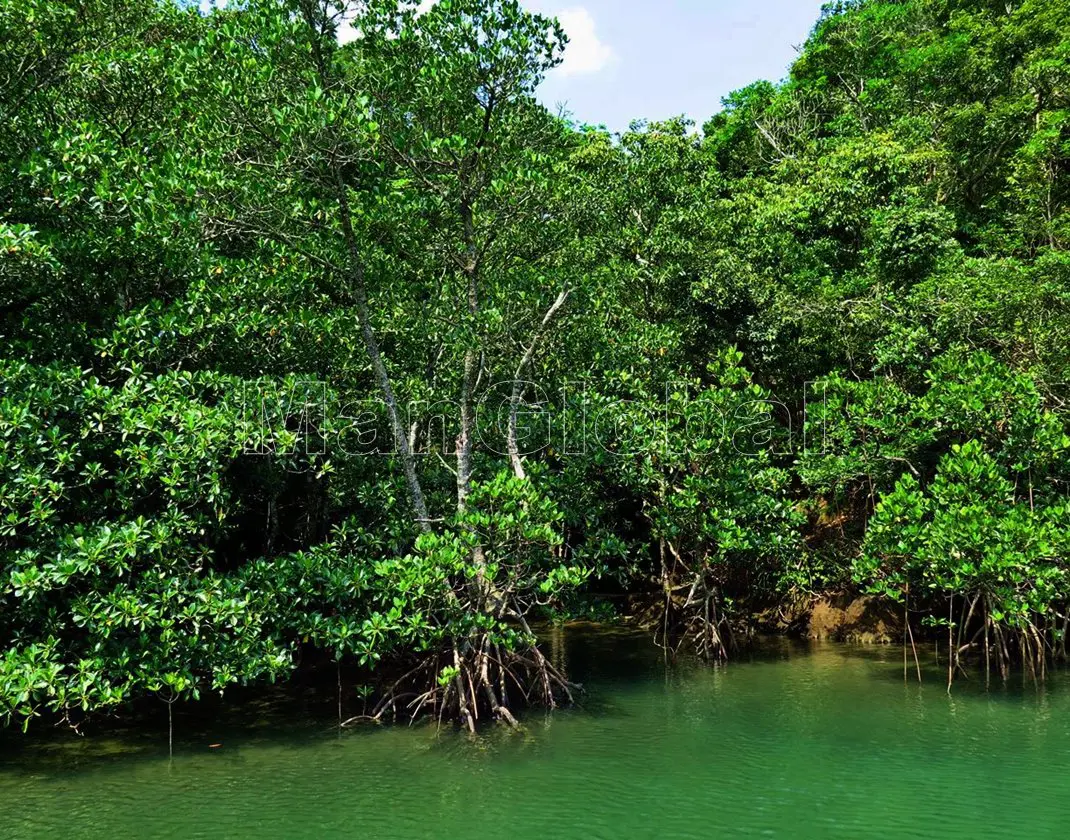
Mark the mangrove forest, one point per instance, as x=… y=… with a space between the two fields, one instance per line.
x=329 y=352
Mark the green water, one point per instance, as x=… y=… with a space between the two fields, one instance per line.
x=798 y=742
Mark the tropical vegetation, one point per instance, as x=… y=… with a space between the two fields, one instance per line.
x=322 y=342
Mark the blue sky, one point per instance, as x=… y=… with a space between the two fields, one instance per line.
x=653 y=59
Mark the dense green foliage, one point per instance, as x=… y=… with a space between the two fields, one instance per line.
x=352 y=352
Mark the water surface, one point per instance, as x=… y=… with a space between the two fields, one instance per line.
x=799 y=741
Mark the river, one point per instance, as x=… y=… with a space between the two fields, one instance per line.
x=795 y=740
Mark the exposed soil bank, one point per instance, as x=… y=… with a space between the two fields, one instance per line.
x=839 y=617
x=860 y=619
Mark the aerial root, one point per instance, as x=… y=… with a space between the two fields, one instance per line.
x=1031 y=642
x=469 y=682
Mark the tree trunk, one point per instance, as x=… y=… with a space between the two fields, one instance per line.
x=371 y=344
x=322 y=46
x=512 y=445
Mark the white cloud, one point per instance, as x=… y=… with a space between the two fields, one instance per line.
x=586 y=53
x=347 y=32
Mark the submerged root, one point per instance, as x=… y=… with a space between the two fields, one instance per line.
x=691 y=615
x=1031 y=642
x=706 y=632
x=474 y=680
x=691 y=610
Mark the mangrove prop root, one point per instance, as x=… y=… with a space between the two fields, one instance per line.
x=696 y=621
x=1031 y=641
x=476 y=690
